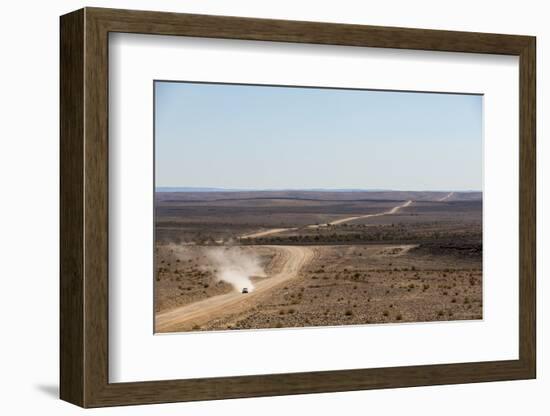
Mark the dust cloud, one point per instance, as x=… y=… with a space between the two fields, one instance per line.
x=235 y=267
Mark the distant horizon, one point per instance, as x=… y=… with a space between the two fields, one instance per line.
x=224 y=189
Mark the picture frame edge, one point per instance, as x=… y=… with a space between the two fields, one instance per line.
x=84 y=211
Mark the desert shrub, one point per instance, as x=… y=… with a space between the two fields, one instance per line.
x=349 y=312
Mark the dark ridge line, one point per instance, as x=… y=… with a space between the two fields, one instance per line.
x=184 y=190
x=284 y=199
x=198 y=201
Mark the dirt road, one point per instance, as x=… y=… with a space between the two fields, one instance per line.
x=267 y=232
x=394 y=210
x=335 y=222
x=294 y=258
x=446 y=197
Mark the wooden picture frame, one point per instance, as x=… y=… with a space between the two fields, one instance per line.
x=84 y=207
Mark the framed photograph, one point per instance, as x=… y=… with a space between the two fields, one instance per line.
x=255 y=207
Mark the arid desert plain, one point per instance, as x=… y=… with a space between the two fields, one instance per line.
x=229 y=260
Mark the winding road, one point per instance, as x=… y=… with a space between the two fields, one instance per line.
x=446 y=197
x=394 y=210
x=198 y=313
x=267 y=232
x=272 y=231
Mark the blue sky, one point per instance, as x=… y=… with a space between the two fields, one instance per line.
x=262 y=137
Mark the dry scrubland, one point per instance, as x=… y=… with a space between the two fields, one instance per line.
x=422 y=263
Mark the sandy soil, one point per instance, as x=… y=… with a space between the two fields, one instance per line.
x=338 y=260
x=357 y=285
x=340 y=285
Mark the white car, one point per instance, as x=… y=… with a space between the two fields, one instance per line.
x=245 y=290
